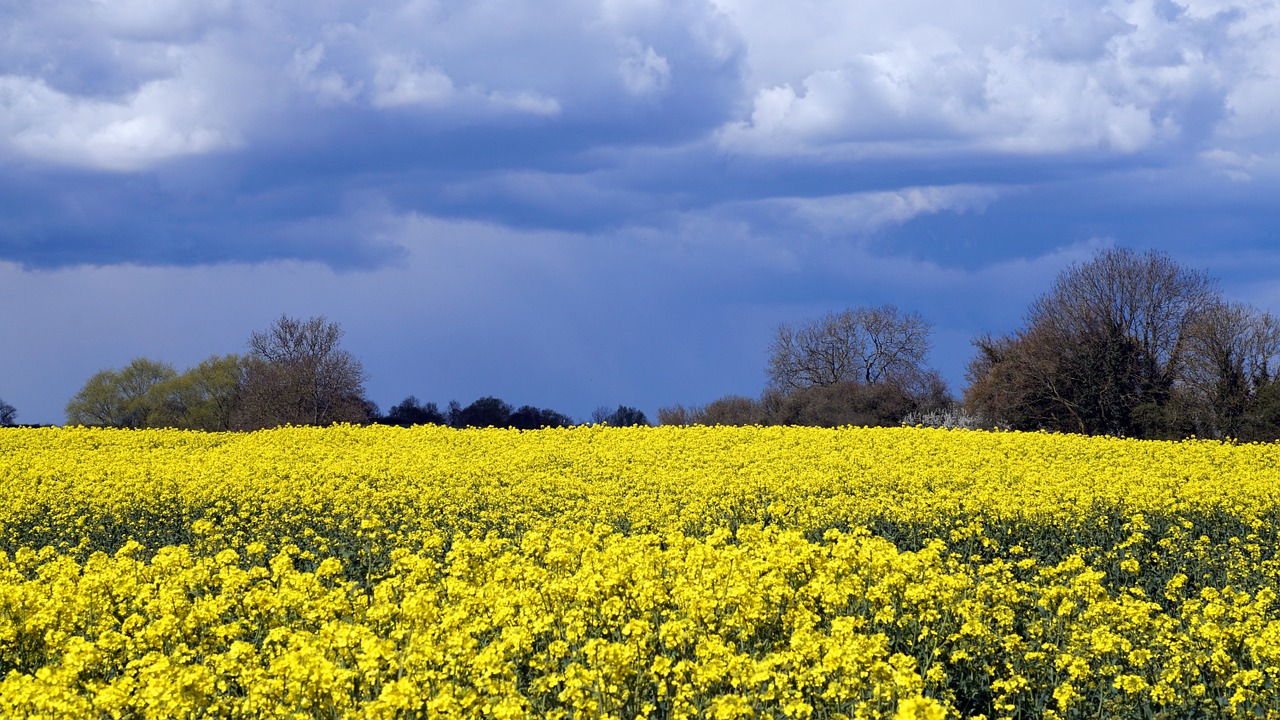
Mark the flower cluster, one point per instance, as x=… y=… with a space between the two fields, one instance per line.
x=636 y=572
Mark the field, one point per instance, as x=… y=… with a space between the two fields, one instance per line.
x=636 y=572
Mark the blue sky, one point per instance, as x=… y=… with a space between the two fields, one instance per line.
x=603 y=202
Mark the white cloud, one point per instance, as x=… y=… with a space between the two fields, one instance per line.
x=1231 y=165
x=163 y=119
x=401 y=83
x=126 y=84
x=398 y=83
x=162 y=20
x=857 y=213
x=529 y=102
x=1096 y=77
x=326 y=85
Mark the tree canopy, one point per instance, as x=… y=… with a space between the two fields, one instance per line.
x=131 y=397
x=1129 y=344
x=866 y=345
x=297 y=373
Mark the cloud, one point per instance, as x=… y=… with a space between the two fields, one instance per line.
x=865 y=213
x=162 y=20
x=128 y=85
x=1103 y=78
x=160 y=121
x=228 y=131
x=644 y=72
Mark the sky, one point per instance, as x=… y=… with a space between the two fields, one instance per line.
x=596 y=203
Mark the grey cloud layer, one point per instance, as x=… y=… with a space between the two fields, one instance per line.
x=178 y=132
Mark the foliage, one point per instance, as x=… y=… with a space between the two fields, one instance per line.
x=484 y=412
x=203 y=398
x=728 y=410
x=880 y=404
x=528 y=417
x=650 y=572
x=147 y=393
x=132 y=397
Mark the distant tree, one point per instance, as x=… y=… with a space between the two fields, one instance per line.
x=1104 y=351
x=132 y=397
x=1261 y=422
x=411 y=411
x=679 y=414
x=862 y=366
x=202 y=398
x=866 y=345
x=621 y=416
x=1232 y=358
x=369 y=410
x=485 y=412
x=8 y=414
x=728 y=410
x=528 y=417
x=845 y=403
x=732 y=410
x=297 y=373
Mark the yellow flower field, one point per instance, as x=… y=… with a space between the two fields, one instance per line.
x=636 y=572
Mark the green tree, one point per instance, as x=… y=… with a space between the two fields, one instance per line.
x=131 y=397
x=204 y=397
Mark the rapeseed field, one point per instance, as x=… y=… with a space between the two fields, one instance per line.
x=673 y=572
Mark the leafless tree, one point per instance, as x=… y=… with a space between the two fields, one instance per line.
x=297 y=373
x=679 y=414
x=8 y=414
x=1104 y=351
x=864 y=345
x=728 y=410
x=1148 y=299
x=1233 y=352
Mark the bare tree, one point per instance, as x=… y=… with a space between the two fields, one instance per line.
x=296 y=373
x=1148 y=299
x=8 y=414
x=728 y=410
x=680 y=414
x=863 y=345
x=1102 y=351
x=1233 y=352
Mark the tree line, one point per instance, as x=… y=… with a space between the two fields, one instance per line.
x=1127 y=343
x=294 y=373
